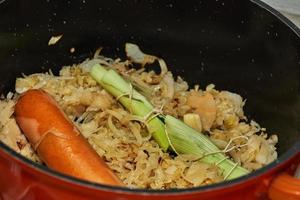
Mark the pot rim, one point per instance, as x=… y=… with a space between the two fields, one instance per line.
x=285 y=157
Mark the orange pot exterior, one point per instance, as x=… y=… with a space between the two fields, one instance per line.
x=19 y=181
x=285 y=187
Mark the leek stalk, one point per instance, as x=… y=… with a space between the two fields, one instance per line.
x=186 y=140
x=138 y=104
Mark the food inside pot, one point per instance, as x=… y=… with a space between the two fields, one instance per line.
x=151 y=129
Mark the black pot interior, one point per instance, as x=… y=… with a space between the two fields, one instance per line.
x=237 y=45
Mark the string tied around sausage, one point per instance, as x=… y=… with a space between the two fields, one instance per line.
x=52 y=132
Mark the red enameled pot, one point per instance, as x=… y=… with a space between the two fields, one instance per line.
x=242 y=46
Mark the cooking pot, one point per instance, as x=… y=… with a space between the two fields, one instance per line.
x=242 y=46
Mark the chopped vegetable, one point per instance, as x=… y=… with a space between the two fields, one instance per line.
x=205 y=106
x=193 y=120
x=135 y=54
x=168 y=82
x=54 y=39
x=72 y=50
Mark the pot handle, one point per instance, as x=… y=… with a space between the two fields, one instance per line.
x=286 y=187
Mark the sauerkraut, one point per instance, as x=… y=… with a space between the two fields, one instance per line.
x=125 y=144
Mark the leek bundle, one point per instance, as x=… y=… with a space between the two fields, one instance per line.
x=169 y=132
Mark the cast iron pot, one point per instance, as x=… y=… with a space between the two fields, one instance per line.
x=242 y=46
